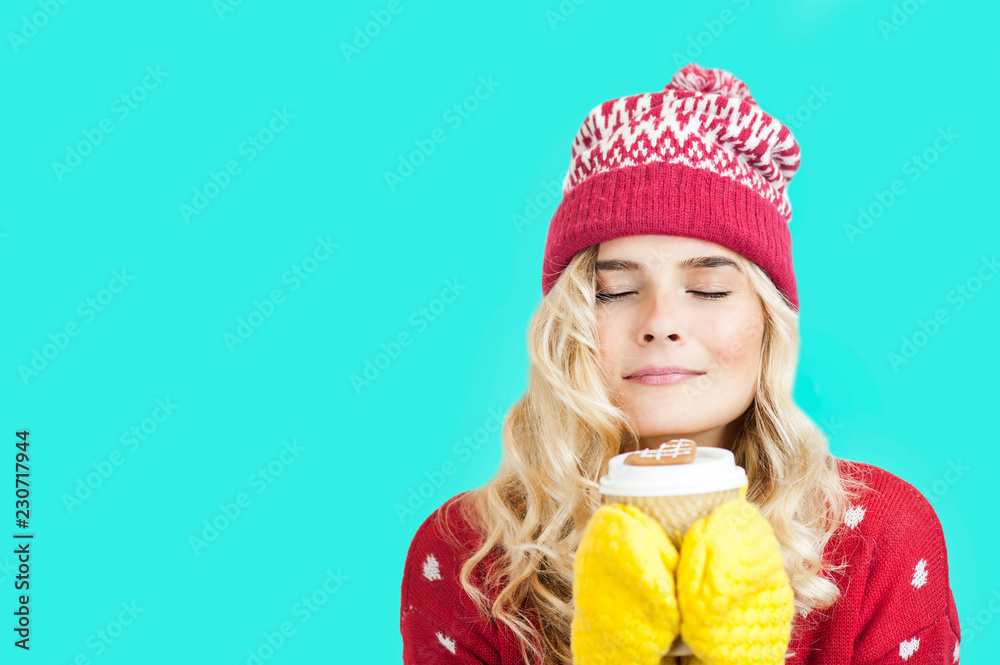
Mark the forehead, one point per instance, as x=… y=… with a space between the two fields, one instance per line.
x=663 y=247
x=657 y=252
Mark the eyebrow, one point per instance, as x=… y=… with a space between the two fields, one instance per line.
x=692 y=263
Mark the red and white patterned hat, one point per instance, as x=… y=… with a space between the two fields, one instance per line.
x=700 y=159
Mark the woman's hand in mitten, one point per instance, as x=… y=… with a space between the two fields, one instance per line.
x=625 y=607
x=732 y=589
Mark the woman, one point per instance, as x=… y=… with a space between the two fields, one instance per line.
x=670 y=255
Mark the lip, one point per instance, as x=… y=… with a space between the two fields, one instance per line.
x=662 y=370
x=662 y=379
x=659 y=375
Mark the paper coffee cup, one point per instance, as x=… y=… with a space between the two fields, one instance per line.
x=677 y=484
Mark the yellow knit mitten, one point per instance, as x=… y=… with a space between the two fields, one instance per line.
x=625 y=605
x=732 y=589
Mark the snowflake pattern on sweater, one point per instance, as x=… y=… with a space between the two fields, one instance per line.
x=896 y=605
x=920 y=574
x=432 y=570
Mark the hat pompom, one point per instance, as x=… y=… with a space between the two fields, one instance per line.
x=695 y=78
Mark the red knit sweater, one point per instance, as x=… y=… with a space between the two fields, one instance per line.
x=896 y=604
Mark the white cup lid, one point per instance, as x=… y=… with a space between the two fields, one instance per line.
x=713 y=470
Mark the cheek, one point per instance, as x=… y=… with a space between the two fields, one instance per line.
x=609 y=337
x=735 y=346
x=604 y=340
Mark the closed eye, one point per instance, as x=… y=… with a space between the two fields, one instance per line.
x=614 y=296
x=707 y=295
x=714 y=295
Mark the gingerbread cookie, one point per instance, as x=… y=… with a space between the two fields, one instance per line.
x=675 y=451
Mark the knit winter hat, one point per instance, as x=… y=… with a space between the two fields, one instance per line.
x=700 y=159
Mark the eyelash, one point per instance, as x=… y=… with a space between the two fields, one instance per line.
x=717 y=295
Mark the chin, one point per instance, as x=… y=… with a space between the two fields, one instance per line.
x=667 y=427
x=658 y=421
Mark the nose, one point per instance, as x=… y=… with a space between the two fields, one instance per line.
x=661 y=321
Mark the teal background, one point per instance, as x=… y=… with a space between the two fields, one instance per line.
x=397 y=249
